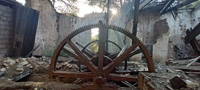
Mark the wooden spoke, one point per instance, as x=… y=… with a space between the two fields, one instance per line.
x=119 y=59
x=82 y=57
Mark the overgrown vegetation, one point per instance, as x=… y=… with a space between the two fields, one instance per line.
x=94 y=47
x=117 y=4
x=70 y=6
x=65 y=6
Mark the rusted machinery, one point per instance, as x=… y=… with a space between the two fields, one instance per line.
x=101 y=69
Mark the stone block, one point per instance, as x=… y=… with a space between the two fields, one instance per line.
x=2 y=46
x=2 y=55
x=1 y=12
x=3 y=18
x=4 y=32
x=10 y=19
x=2 y=22
x=20 y=69
x=8 y=15
x=5 y=41
x=24 y=63
x=10 y=10
x=10 y=27
x=2 y=27
x=3 y=37
x=3 y=51
x=3 y=8
x=6 y=23
x=177 y=82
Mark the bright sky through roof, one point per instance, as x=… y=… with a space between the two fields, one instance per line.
x=84 y=8
x=21 y=1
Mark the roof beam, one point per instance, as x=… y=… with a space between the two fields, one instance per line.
x=192 y=34
x=180 y=5
x=166 y=6
x=143 y=4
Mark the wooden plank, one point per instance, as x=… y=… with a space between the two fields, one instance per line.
x=136 y=13
x=195 y=45
x=191 y=35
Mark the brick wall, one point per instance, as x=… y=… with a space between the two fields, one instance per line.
x=6 y=30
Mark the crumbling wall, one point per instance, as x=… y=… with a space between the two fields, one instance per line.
x=65 y=26
x=146 y=28
x=160 y=27
x=163 y=35
x=178 y=26
x=68 y=24
x=169 y=33
x=47 y=32
x=196 y=16
x=6 y=30
x=54 y=27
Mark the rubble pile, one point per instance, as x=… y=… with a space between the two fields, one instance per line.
x=15 y=69
x=177 y=74
x=32 y=72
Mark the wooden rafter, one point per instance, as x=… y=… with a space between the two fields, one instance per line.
x=166 y=6
x=192 y=34
x=179 y=5
x=143 y=4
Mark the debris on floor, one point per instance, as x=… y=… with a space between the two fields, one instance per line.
x=166 y=81
x=32 y=73
x=16 y=69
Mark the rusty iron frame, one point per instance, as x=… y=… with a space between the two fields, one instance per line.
x=100 y=73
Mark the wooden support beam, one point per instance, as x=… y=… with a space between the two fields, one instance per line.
x=180 y=5
x=136 y=13
x=143 y=4
x=107 y=23
x=195 y=45
x=166 y=6
x=191 y=35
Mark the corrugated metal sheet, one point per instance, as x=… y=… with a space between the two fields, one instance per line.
x=26 y=21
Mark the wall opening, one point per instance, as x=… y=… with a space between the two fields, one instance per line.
x=94 y=36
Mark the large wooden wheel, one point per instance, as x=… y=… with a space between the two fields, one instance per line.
x=100 y=73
